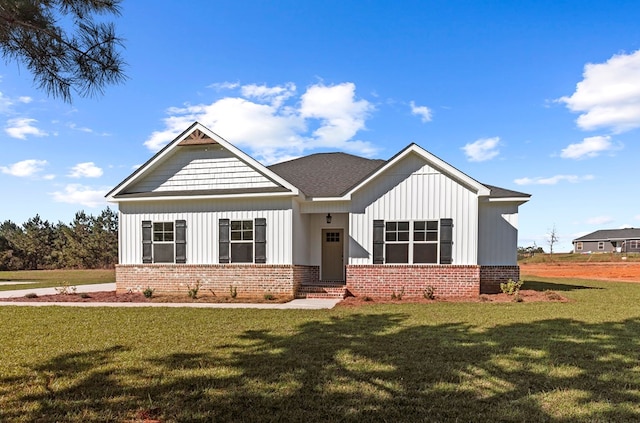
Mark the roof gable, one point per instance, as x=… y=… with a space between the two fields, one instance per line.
x=433 y=161
x=200 y=163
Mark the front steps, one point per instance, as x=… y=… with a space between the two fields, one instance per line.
x=323 y=290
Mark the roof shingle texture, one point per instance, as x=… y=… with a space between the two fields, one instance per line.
x=611 y=234
x=326 y=174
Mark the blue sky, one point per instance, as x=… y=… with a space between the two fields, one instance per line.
x=537 y=96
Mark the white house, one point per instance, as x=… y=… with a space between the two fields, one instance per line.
x=202 y=211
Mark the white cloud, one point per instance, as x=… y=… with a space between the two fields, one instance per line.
x=599 y=220
x=24 y=168
x=261 y=120
x=553 y=180
x=81 y=194
x=482 y=149
x=423 y=111
x=273 y=95
x=21 y=127
x=25 y=99
x=589 y=147
x=85 y=170
x=609 y=94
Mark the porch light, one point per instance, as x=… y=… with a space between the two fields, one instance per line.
x=328 y=217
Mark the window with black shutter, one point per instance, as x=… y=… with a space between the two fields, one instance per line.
x=242 y=241
x=164 y=242
x=419 y=242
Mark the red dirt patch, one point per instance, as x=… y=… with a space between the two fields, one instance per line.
x=629 y=272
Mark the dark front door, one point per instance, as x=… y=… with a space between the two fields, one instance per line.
x=332 y=255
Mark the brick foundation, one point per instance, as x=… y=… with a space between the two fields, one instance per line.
x=248 y=279
x=492 y=276
x=385 y=280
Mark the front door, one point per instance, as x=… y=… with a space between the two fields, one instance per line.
x=332 y=255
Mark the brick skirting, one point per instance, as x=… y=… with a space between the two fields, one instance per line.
x=247 y=279
x=370 y=280
x=492 y=276
x=383 y=280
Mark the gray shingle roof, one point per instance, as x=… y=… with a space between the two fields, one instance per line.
x=611 y=234
x=334 y=174
x=497 y=192
x=326 y=174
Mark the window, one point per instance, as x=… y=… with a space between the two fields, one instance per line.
x=410 y=242
x=579 y=246
x=164 y=242
x=425 y=241
x=634 y=244
x=601 y=245
x=241 y=241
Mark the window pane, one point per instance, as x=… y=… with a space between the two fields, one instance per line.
x=247 y=224
x=163 y=253
x=242 y=253
x=236 y=236
x=418 y=236
x=390 y=236
x=157 y=236
x=397 y=253
x=403 y=226
x=168 y=236
x=425 y=253
x=432 y=225
x=391 y=226
x=432 y=236
x=236 y=225
x=418 y=226
x=247 y=235
x=158 y=227
x=168 y=226
x=403 y=236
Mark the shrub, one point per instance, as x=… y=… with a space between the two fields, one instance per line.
x=269 y=297
x=85 y=295
x=31 y=295
x=192 y=291
x=367 y=298
x=233 y=291
x=399 y=295
x=66 y=289
x=511 y=287
x=429 y=293
x=148 y=292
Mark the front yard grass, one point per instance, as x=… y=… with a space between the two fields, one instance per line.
x=54 y=278
x=551 y=362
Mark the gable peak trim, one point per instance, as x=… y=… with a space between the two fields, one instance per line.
x=197 y=137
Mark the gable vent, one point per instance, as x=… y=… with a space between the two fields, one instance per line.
x=197 y=137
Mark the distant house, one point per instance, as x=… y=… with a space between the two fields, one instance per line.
x=609 y=241
x=202 y=211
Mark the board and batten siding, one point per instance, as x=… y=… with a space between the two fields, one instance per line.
x=498 y=237
x=413 y=190
x=202 y=168
x=202 y=218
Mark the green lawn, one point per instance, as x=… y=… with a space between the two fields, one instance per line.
x=551 y=362
x=53 y=278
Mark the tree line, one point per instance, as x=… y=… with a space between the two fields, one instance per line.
x=88 y=242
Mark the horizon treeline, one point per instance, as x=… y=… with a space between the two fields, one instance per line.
x=88 y=242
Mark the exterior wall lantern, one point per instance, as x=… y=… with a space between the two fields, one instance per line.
x=328 y=217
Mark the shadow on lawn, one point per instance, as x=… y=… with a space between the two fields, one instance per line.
x=361 y=367
x=553 y=286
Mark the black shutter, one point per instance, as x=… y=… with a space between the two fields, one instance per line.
x=223 y=241
x=378 y=241
x=147 y=243
x=446 y=241
x=260 y=229
x=181 y=241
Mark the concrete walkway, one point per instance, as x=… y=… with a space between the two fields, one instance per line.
x=300 y=304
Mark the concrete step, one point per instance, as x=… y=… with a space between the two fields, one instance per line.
x=322 y=291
